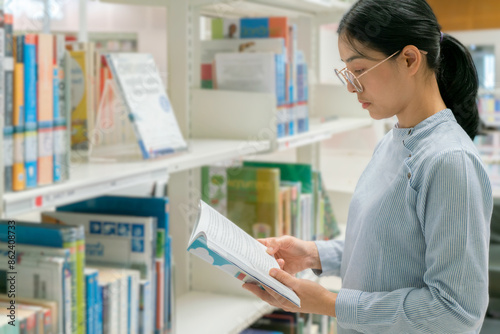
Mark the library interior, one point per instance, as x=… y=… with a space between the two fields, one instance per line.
x=263 y=194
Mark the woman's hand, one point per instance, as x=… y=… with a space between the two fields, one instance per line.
x=313 y=297
x=293 y=255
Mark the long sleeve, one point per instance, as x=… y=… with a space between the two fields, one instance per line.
x=454 y=207
x=330 y=255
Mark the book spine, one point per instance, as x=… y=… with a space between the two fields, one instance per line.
x=30 y=109
x=168 y=278
x=98 y=326
x=6 y=83
x=160 y=298
x=8 y=157
x=60 y=119
x=80 y=267
x=47 y=322
x=45 y=85
x=145 y=323
x=292 y=77
x=106 y=307
x=90 y=279
x=18 y=169
x=2 y=57
x=8 y=69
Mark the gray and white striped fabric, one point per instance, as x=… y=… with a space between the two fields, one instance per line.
x=415 y=256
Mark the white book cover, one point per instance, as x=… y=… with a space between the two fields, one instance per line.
x=210 y=48
x=249 y=72
x=149 y=107
x=41 y=278
x=118 y=240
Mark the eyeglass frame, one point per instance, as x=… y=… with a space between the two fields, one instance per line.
x=359 y=87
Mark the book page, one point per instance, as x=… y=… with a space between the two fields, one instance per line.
x=222 y=232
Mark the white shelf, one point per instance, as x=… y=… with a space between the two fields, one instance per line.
x=207 y=313
x=321 y=131
x=290 y=8
x=95 y=179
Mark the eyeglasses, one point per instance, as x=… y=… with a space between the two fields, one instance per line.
x=345 y=75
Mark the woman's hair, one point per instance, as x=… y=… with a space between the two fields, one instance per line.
x=389 y=25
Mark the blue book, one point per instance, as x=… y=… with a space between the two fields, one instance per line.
x=98 y=309
x=90 y=284
x=135 y=206
x=254 y=28
x=30 y=110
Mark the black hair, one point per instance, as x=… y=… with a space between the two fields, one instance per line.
x=389 y=25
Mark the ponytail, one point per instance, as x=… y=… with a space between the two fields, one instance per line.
x=390 y=25
x=458 y=83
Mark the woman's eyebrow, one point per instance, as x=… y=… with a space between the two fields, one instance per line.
x=353 y=58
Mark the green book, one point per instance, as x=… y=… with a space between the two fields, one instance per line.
x=253 y=199
x=289 y=172
x=214 y=187
x=296 y=188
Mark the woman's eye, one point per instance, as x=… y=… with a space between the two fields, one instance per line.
x=358 y=71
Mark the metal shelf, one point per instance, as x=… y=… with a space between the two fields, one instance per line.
x=95 y=179
x=208 y=313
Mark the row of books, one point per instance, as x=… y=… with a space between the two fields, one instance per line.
x=105 y=262
x=259 y=55
x=35 y=93
x=268 y=199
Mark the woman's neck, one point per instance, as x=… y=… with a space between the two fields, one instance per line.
x=426 y=102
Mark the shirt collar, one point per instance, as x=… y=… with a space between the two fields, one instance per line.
x=442 y=116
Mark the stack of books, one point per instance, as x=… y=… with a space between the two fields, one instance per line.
x=259 y=55
x=104 y=264
x=271 y=199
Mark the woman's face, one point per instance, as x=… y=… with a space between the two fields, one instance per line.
x=385 y=89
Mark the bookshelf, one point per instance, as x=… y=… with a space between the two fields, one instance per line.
x=206 y=300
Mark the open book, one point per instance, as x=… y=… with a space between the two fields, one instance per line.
x=221 y=243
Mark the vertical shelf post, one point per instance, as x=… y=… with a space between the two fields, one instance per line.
x=180 y=25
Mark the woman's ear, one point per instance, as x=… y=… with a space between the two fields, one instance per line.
x=412 y=58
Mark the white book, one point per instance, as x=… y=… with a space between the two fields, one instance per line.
x=148 y=105
x=221 y=243
x=249 y=72
x=145 y=312
x=42 y=278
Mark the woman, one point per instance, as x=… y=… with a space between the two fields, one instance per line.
x=415 y=256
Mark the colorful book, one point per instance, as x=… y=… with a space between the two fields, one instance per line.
x=58 y=236
x=8 y=69
x=129 y=241
x=90 y=288
x=253 y=200
x=78 y=70
x=214 y=187
x=50 y=316
x=142 y=207
x=62 y=110
x=45 y=112
x=292 y=172
x=30 y=111
x=225 y=28
x=42 y=277
x=302 y=88
x=18 y=181
x=295 y=206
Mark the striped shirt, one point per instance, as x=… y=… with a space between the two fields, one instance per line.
x=415 y=255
